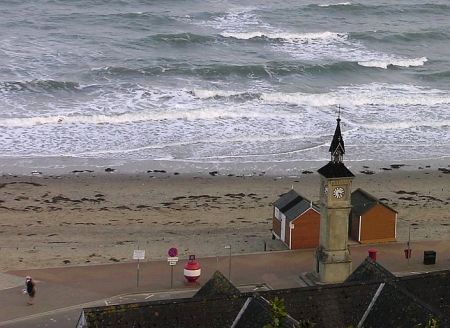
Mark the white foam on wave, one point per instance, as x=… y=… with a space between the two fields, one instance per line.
x=371 y=94
x=133 y=117
x=207 y=94
x=406 y=125
x=326 y=36
x=401 y=62
x=336 y=4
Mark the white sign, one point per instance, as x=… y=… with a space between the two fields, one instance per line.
x=139 y=254
x=172 y=260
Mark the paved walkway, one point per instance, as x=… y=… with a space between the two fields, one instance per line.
x=62 y=292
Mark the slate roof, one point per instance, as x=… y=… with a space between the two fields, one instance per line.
x=396 y=307
x=187 y=313
x=397 y=302
x=362 y=201
x=299 y=208
x=370 y=270
x=287 y=200
x=256 y=312
x=432 y=287
x=218 y=285
x=292 y=205
x=335 y=170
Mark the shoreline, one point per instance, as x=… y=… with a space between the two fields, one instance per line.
x=48 y=166
x=91 y=218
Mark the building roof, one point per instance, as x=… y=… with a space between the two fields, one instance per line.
x=370 y=270
x=287 y=200
x=432 y=287
x=218 y=285
x=256 y=312
x=362 y=201
x=396 y=307
x=292 y=205
x=397 y=302
x=335 y=170
x=300 y=208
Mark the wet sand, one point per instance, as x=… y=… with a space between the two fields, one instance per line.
x=88 y=217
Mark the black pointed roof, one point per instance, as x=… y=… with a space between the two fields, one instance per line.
x=337 y=141
x=218 y=285
x=370 y=270
x=335 y=170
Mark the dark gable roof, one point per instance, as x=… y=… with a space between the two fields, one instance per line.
x=335 y=170
x=287 y=200
x=370 y=270
x=432 y=287
x=218 y=285
x=396 y=307
x=292 y=205
x=176 y=313
x=401 y=302
x=300 y=208
x=329 y=306
x=362 y=201
x=256 y=312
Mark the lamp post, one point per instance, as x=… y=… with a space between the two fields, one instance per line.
x=229 y=262
x=408 y=243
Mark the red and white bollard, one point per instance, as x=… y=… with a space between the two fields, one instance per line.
x=192 y=269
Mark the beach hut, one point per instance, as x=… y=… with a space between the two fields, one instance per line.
x=371 y=221
x=296 y=221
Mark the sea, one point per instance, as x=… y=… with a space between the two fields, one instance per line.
x=221 y=83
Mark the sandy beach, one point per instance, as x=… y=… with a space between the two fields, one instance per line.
x=84 y=218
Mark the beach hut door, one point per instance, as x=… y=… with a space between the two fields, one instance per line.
x=283 y=227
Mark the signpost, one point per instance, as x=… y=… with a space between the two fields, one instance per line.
x=172 y=259
x=138 y=254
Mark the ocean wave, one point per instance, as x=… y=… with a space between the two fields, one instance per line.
x=352 y=96
x=436 y=76
x=269 y=69
x=288 y=37
x=401 y=62
x=178 y=38
x=335 y=4
x=131 y=117
x=38 y=86
x=407 y=125
x=386 y=36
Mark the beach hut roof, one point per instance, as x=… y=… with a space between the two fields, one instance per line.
x=362 y=201
x=287 y=200
x=300 y=208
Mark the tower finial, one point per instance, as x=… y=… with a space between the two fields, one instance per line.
x=339 y=112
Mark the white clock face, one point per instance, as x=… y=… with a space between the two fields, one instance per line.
x=338 y=192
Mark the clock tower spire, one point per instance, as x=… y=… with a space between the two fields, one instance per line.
x=333 y=262
x=337 y=148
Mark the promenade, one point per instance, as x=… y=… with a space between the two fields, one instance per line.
x=62 y=292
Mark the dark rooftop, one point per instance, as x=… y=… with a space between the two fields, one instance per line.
x=389 y=302
x=362 y=201
x=218 y=285
x=287 y=200
x=335 y=170
x=370 y=270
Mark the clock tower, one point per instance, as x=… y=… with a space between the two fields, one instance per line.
x=333 y=262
